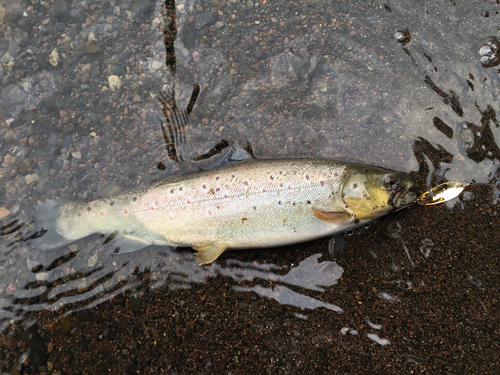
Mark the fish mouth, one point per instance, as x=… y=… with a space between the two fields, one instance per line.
x=402 y=195
x=408 y=198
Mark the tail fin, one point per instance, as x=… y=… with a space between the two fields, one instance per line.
x=46 y=236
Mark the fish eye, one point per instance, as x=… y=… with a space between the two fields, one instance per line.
x=390 y=181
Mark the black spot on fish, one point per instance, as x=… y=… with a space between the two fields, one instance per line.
x=204 y=186
x=255 y=208
x=354 y=186
x=366 y=171
x=246 y=183
x=308 y=202
x=279 y=202
x=281 y=172
x=307 y=177
x=111 y=203
x=89 y=208
x=172 y=191
x=271 y=177
x=134 y=199
x=216 y=178
x=161 y=166
x=356 y=221
x=232 y=176
x=116 y=250
x=180 y=189
x=293 y=204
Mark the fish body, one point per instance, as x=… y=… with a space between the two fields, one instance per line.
x=251 y=204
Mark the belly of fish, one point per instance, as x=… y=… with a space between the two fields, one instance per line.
x=252 y=204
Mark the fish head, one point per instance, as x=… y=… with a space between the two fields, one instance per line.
x=370 y=192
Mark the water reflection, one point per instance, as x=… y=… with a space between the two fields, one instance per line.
x=52 y=280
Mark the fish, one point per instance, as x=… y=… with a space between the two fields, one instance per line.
x=246 y=204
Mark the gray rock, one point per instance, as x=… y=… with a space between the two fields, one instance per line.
x=12 y=94
x=14 y=49
x=108 y=30
x=20 y=36
x=60 y=10
x=205 y=19
x=140 y=8
x=85 y=72
x=10 y=188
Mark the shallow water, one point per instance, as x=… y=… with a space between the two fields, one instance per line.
x=312 y=78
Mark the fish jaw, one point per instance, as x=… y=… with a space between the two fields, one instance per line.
x=370 y=192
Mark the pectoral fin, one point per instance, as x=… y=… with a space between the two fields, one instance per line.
x=208 y=252
x=332 y=217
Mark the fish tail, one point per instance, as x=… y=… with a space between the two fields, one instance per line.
x=46 y=236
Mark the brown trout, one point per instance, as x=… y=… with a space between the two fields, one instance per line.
x=250 y=204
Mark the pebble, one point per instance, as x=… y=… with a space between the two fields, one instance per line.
x=258 y=52
x=12 y=94
x=115 y=83
x=42 y=276
x=54 y=57
x=11 y=188
x=26 y=86
x=32 y=264
x=92 y=260
x=4 y=212
x=205 y=19
x=6 y=58
x=156 y=65
x=20 y=36
x=76 y=154
x=85 y=72
x=30 y=178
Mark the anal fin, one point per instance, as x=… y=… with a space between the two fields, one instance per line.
x=209 y=252
x=332 y=216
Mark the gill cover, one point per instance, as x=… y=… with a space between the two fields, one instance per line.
x=369 y=193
